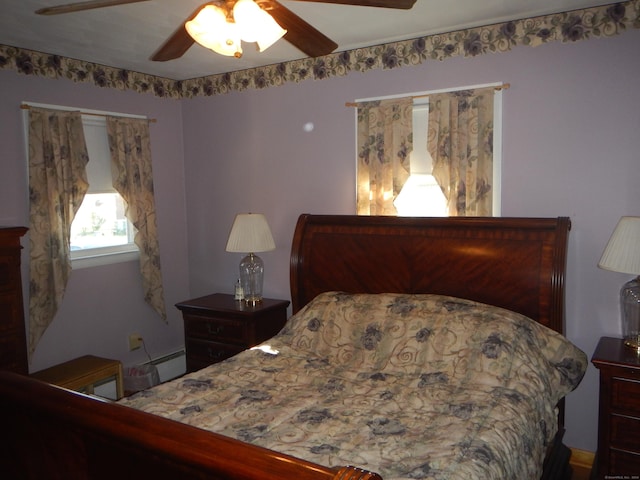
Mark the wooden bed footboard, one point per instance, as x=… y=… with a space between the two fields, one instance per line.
x=53 y=433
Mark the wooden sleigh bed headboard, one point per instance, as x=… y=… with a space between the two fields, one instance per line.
x=515 y=263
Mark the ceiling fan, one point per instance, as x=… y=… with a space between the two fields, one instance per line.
x=298 y=32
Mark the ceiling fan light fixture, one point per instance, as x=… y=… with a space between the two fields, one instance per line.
x=211 y=29
x=256 y=25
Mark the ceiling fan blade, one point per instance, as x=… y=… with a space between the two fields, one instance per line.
x=79 y=6
x=402 y=4
x=178 y=43
x=300 y=34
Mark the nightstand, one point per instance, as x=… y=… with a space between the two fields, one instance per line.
x=619 y=414
x=217 y=326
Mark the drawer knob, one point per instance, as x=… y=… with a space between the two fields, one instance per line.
x=215 y=329
x=215 y=354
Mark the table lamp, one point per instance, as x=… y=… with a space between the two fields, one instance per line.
x=622 y=254
x=250 y=233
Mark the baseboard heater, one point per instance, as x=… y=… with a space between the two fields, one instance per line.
x=169 y=367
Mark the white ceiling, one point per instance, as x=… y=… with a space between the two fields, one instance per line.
x=125 y=36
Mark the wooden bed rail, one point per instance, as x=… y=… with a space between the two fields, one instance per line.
x=50 y=432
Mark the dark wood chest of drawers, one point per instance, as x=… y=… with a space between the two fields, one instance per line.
x=217 y=327
x=13 y=345
x=619 y=412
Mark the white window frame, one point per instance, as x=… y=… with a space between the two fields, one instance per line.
x=92 y=257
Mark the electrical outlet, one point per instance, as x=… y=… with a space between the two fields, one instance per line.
x=135 y=341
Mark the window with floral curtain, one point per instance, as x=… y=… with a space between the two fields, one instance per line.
x=57 y=158
x=460 y=152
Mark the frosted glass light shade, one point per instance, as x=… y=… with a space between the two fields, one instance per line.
x=256 y=25
x=248 y=15
x=211 y=29
x=622 y=254
x=270 y=36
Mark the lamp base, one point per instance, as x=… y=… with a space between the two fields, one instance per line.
x=630 y=309
x=633 y=343
x=253 y=302
x=251 y=276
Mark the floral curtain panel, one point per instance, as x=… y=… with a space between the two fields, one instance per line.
x=384 y=142
x=129 y=144
x=57 y=184
x=460 y=140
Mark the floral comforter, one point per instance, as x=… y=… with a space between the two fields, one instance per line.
x=409 y=386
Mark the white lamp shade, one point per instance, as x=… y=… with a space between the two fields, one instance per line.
x=250 y=233
x=622 y=253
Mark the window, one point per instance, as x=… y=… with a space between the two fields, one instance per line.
x=461 y=127
x=421 y=195
x=100 y=227
x=100 y=233
x=57 y=163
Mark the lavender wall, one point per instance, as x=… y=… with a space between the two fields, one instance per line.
x=103 y=305
x=571 y=148
x=571 y=143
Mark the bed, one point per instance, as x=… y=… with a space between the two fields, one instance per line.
x=361 y=287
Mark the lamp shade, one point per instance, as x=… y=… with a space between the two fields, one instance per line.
x=250 y=233
x=622 y=253
x=211 y=29
x=256 y=25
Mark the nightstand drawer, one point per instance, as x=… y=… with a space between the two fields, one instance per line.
x=619 y=411
x=624 y=463
x=625 y=433
x=215 y=329
x=206 y=353
x=625 y=396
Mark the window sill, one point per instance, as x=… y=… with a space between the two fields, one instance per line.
x=104 y=259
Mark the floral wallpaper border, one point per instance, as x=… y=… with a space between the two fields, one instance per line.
x=573 y=26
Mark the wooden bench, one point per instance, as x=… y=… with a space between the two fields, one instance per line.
x=83 y=373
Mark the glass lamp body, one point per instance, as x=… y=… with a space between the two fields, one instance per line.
x=630 y=309
x=251 y=278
